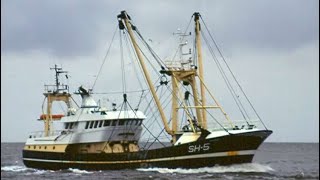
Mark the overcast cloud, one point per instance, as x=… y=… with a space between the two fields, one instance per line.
x=272 y=46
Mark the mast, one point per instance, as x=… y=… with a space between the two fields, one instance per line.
x=57 y=92
x=174 y=115
x=203 y=121
x=124 y=17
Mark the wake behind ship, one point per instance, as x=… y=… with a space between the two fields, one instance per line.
x=98 y=138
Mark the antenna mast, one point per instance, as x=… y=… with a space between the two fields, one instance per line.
x=57 y=92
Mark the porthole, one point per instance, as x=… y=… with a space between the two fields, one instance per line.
x=53 y=147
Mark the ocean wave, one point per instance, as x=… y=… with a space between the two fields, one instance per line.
x=14 y=168
x=247 y=167
x=38 y=171
x=78 y=171
x=23 y=169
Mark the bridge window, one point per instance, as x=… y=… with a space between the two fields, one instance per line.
x=114 y=123
x=121 y=122
x=100 y=123
x=96 y=124
x=106 y=123
x=91 y=124
x=87 y=125
x=71 y=125
x=67 y=125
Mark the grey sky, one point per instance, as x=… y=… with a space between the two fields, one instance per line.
x=272 y=46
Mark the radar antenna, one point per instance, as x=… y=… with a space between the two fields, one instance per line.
x=58 y=87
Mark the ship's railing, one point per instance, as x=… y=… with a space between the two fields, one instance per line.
x=179 y=65
x=55 y=88
x=39 y=134
x=236 y=124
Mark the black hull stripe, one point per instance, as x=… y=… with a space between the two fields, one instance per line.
x=184 y=163
x=197 y=156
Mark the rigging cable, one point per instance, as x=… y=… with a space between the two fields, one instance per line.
x=134 y=67
x=131 y=57
x=155 y=56
x=229 y=86
x=145 y=56
x=105 y=57
x=206 y=109
x=233 y=74
x=153 y=115
x=118 y=92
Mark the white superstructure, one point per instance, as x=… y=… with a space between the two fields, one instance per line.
x=92 y=124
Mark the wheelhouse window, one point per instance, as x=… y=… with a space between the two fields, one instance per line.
x=71 y=125
x=121 y=122
x=96 y=124
x=87 y=125
x=100 y=123
x=114 y=123
x=91 y=124
x=106 y=123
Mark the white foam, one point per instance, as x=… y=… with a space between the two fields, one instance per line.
x=23 y=169
x=14 y=168
x=248 y=167
x=40 y=171
x=79 y=171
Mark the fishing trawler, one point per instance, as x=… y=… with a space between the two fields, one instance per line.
x=98 y=138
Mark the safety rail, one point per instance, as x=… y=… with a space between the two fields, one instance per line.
x=236 y=124
x=55 y=88
x=39 y=134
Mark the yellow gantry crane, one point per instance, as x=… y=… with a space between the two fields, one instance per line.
x=178 y=76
